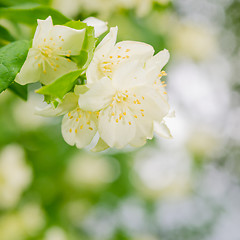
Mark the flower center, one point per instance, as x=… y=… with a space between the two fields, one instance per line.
x=109 y=63
x=48 y=54
x=124 y=103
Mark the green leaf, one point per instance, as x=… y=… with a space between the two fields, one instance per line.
x=12 y=57
x=30 y=14
x=61 y=86
x=18 y=2
x=5 y=36
x=89 y=44
x=21 y=91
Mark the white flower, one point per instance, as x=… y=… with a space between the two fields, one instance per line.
x=131 y=98
x=48 y=59
x=99 y=26
x=109 y=56
x=78 y=126
x=15 y=175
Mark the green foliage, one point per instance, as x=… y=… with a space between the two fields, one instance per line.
x=21 y=91
x=30 y=14
x=5 y=36
x=18 y=2
x=89 y=44
x=12 y=57
x=61 y=86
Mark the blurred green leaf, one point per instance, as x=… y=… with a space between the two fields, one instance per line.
x=5 y=36
x=12 y=57
x=18 y=2
x=21 y=91
x=30 y=14
x=61 y=86
x=89 y=44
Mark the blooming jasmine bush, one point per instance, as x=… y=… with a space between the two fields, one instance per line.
x=110 y=90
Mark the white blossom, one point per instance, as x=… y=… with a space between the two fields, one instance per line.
x=49 y=57
x=15 y=175
x=125 y=86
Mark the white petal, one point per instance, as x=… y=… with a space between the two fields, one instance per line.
x=133 y=50
x=162 y=130
x=99 y=26
x=108 y=42
x=98 y=96
x=68 y=39
x=52 y=73
x=30 y=72
x=159 y=60
x=100 y=146
x=151 y=101
x=79 y=127
x=43 y=30
x=116 y=133
x=126 y=76
x=144 y=131
x=103 y=49
x=70 y=102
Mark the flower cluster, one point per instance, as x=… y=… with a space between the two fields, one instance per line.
x=123 y=100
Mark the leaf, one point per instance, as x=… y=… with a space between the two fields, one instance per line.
x=30 y=14
x=5 y=36
x=61 y=86
x=12 y=57
x=18 y=2
x=89 y=44
x=21 y=91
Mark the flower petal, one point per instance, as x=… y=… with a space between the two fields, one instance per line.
x=116 y=132
x=52 y=73
x=129 y=50
x=99 y=26
x=43 y=30
x=68 y=39
x=126 y=76
x=79 y=127
x=108 y=42
x=159 y=60
x=69 y=103
x=151 y=101
x=30 y=72
x=162 y=130
x=103 y=49
x=144 y=131
x=98 y=96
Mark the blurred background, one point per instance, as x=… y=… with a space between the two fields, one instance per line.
x=186 y=188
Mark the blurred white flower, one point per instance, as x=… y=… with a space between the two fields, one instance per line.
x=55 y=233
x=193 y=41
x=162 y=173
x=32 y=218
x=19 y=225
x=24 y=112
x=90 y=171
x=15 y=175
x=48 y=59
